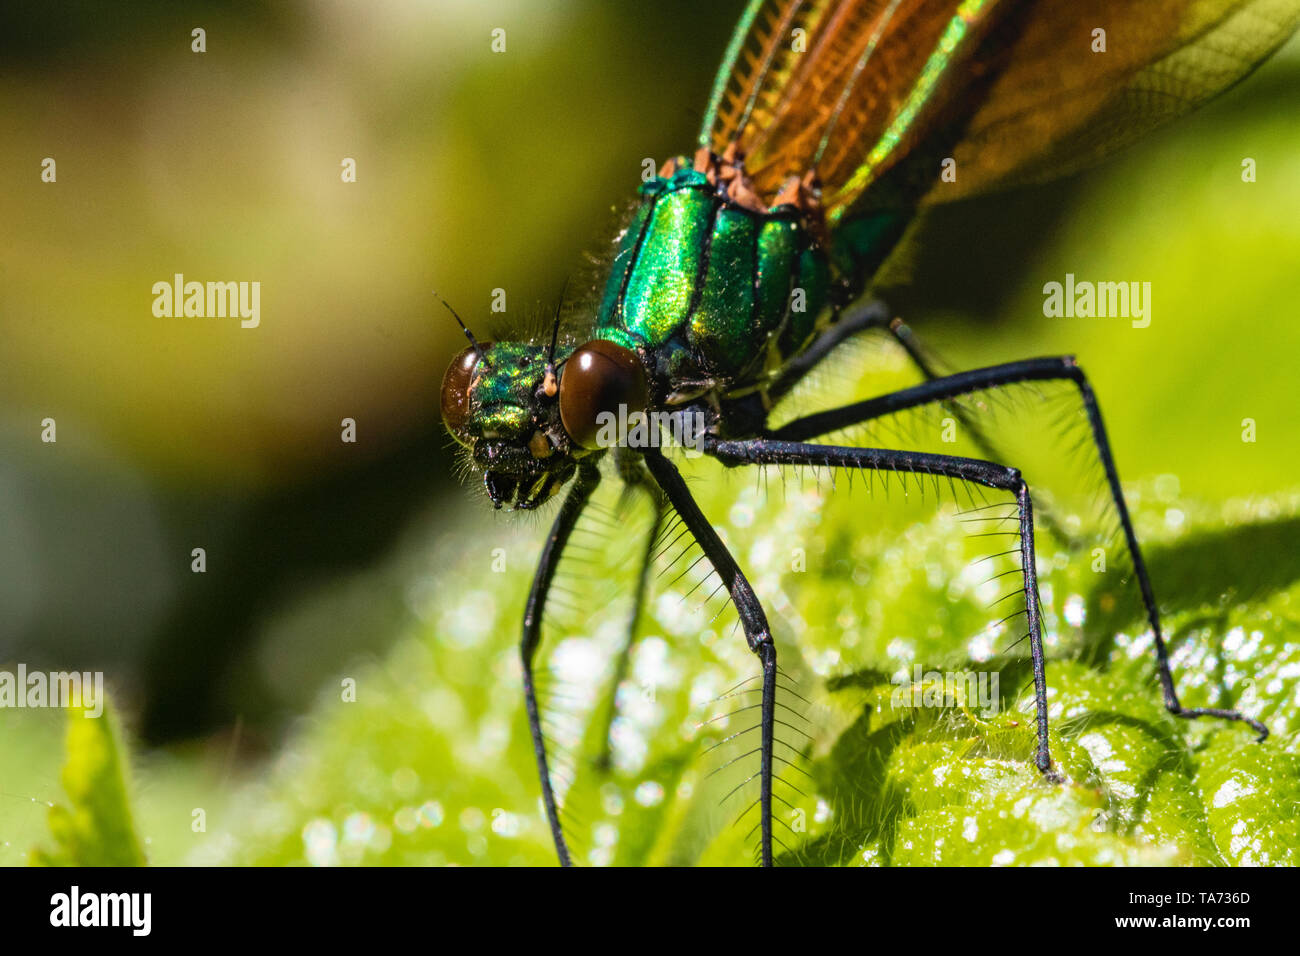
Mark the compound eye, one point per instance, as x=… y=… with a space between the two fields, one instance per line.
x=455 y=392
x=599 y=378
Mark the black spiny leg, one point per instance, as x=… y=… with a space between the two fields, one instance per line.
x=605 y=759
x=859 y=318
x=1063 y=368
x=752 y=619
x=765 y=451
x=586 y=482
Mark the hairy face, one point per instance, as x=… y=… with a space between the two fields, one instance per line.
x=504 y=408
x=525 y=422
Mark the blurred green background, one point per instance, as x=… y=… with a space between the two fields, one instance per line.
x=475 y=171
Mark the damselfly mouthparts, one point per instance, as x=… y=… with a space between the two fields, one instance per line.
x=831 y=125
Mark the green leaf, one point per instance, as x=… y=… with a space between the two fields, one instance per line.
x=95 y=828
x=433 y=763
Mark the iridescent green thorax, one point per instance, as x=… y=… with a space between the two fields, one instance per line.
x=502 y=397
x=710 y=289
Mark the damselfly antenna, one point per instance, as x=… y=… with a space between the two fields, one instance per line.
x=463 y=327
x=549 y=384
x=555 y=327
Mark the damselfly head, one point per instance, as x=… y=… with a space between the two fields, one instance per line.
x=495 y=403
x=527 y=419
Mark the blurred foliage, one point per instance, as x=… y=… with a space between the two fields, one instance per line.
x=475 y=172
x=472 y=168
x=96 y=827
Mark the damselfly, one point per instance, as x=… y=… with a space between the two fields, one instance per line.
x=831 y=124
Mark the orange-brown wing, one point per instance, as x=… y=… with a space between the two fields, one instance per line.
x=822 y=83
x=1013 y=90
x=1083 y=78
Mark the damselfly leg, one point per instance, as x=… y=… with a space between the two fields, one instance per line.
x=863 y=317
x=766 y=451
x=574 y=503
x=752 y=619
x=947 y=388
x=604 y=760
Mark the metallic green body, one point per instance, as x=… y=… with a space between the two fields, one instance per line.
x=713 y=296
x=711 y=292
